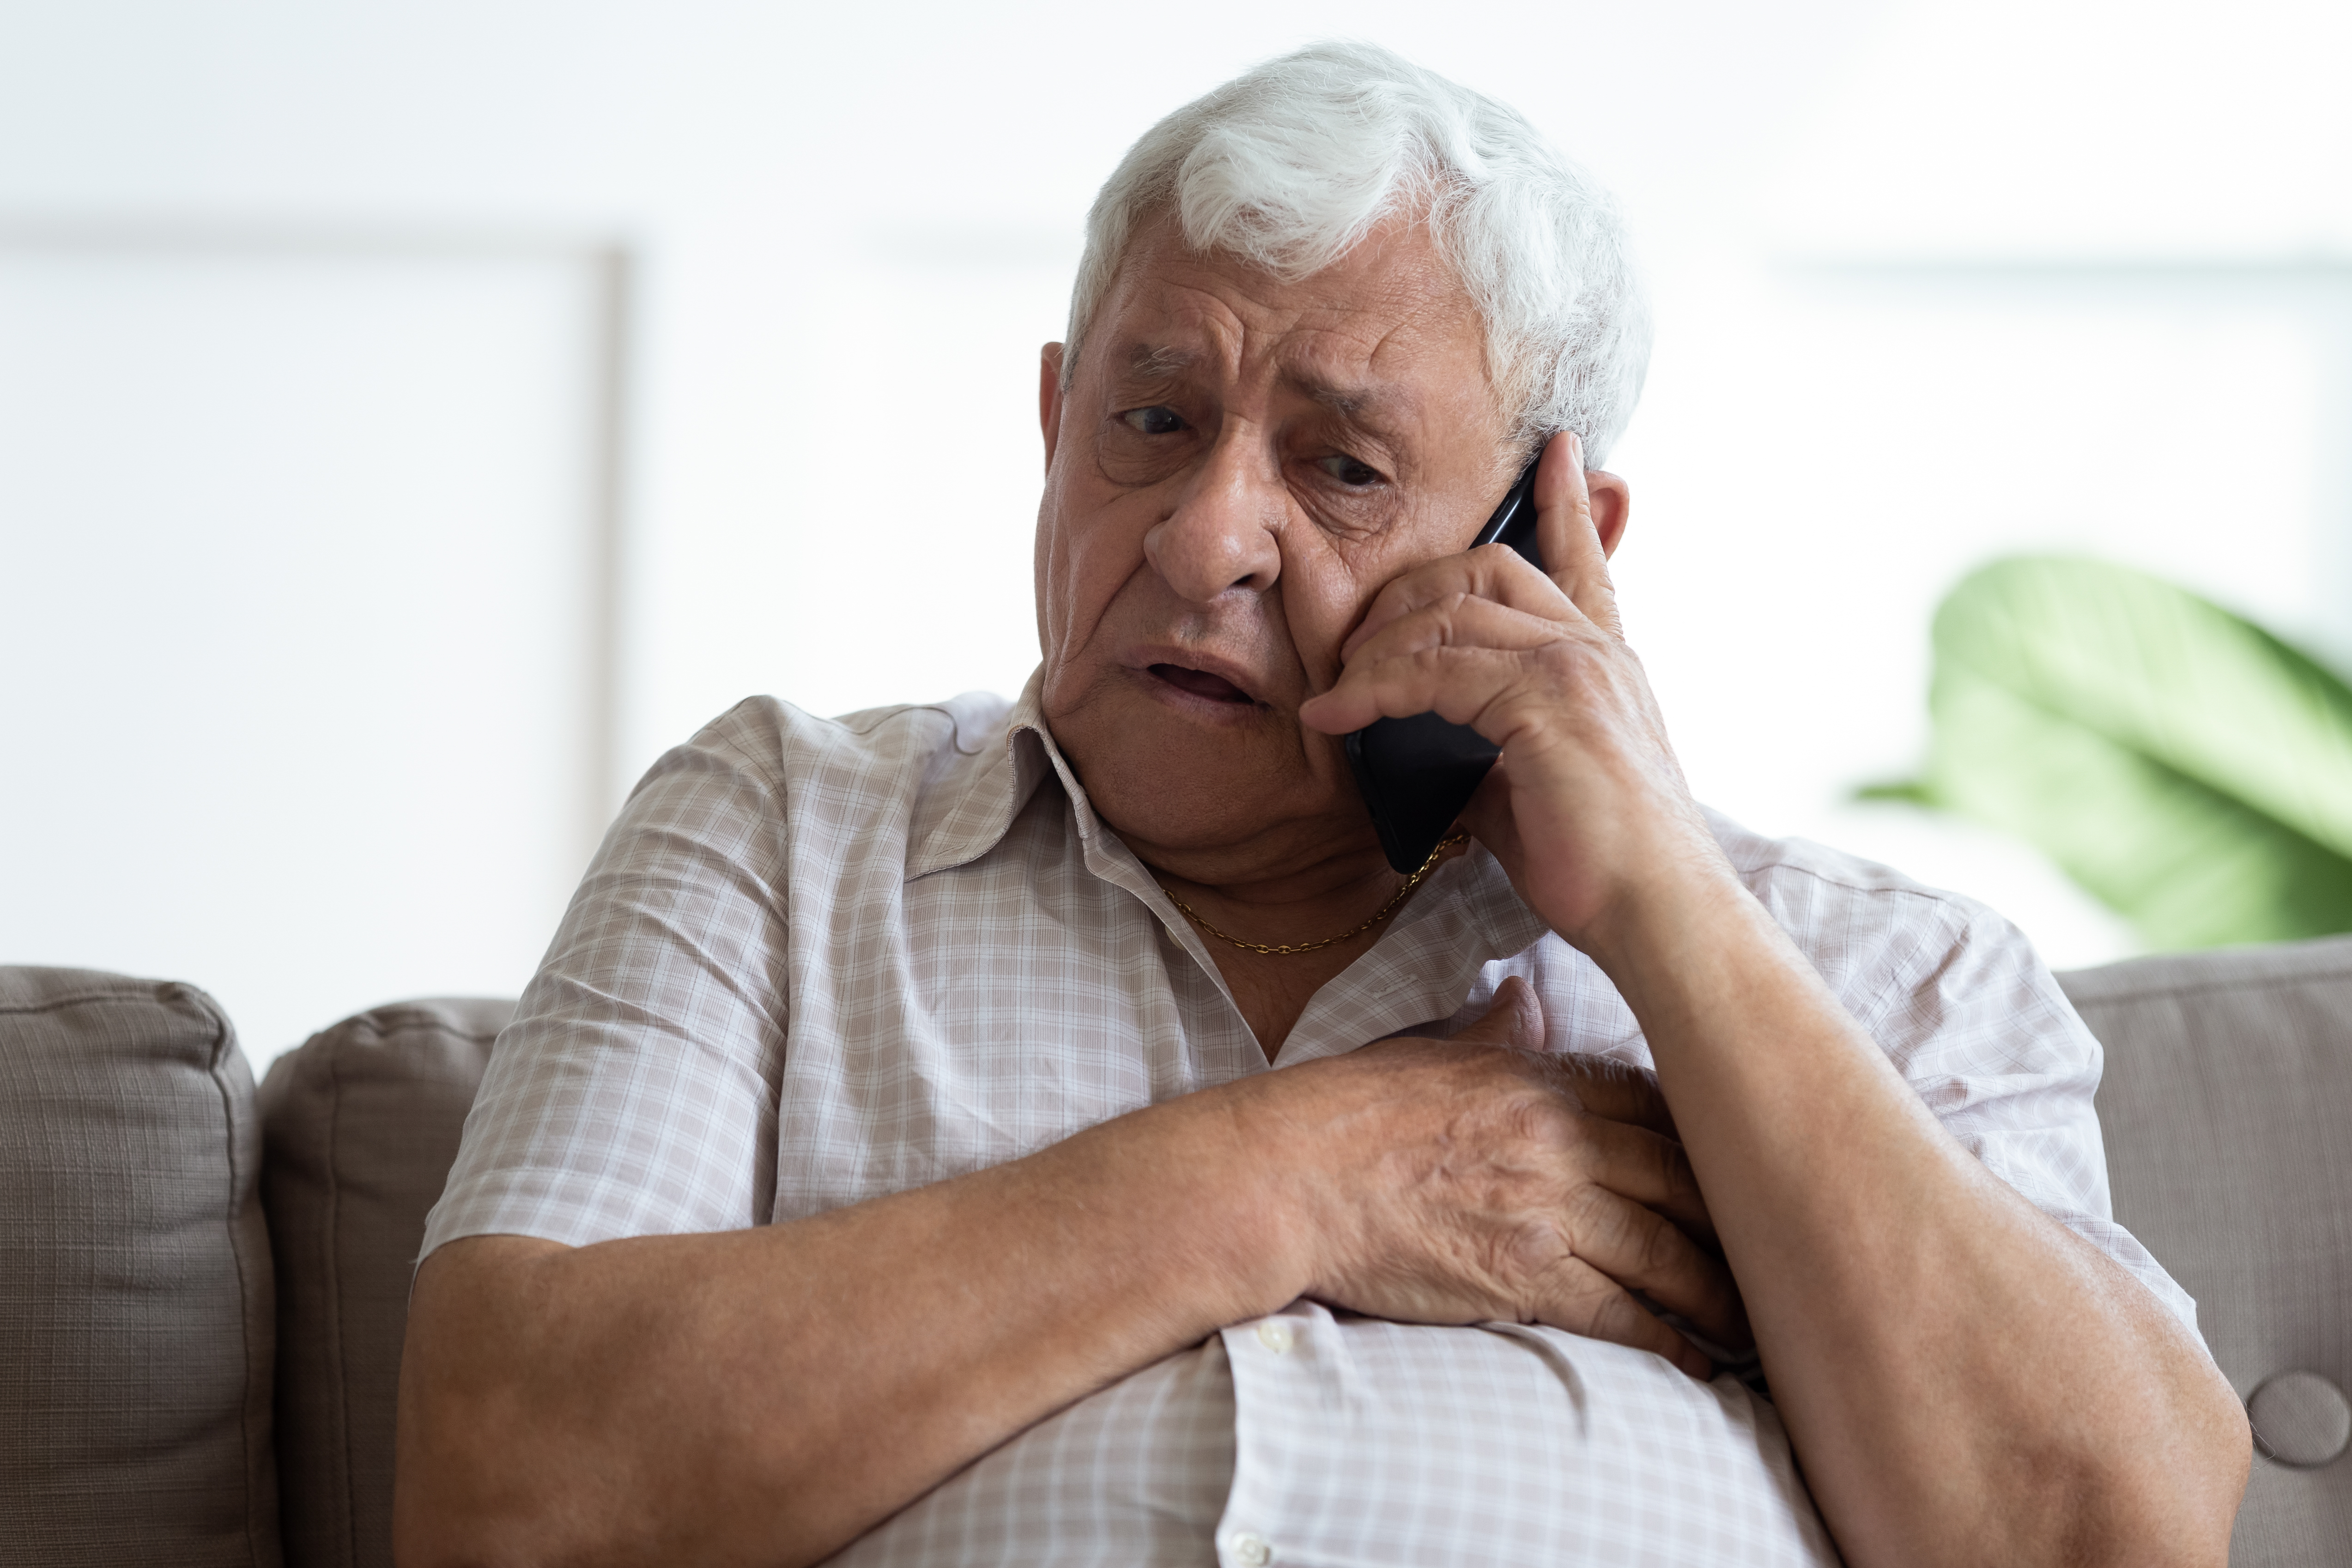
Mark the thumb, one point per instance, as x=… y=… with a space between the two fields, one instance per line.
x=1514 y=1018
x=1571 y=543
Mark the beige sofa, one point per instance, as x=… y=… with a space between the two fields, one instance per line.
x=203 y=1288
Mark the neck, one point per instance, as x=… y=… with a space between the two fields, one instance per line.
x=1291 y=907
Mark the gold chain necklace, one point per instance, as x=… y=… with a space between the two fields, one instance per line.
x=1275 y=949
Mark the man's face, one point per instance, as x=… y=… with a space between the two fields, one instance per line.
x=1239 y=466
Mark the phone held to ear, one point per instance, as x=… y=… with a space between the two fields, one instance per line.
x=1416 y=774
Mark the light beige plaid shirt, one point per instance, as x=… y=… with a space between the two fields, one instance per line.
x=818 y=961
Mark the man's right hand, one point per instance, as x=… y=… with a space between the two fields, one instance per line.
x=1480 y=1178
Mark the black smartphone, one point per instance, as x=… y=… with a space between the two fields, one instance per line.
x=1416 y=774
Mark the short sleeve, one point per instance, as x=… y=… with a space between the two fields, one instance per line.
x=635 y=1092
x=1977 y=1024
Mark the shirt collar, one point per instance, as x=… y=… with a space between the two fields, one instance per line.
x=995 y=768
x=1467 y=915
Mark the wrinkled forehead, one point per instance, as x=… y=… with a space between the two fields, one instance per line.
x=1387 y=327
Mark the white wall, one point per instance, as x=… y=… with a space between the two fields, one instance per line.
x=300 y=647
x=856 y=225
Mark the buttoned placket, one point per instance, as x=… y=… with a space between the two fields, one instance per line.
x=1277 y=1362
x=1291 y=1364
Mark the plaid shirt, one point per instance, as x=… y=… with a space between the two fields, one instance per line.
x=820 y=961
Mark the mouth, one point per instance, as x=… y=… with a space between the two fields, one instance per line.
x=1201 y=684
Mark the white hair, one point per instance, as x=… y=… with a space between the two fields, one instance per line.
x=1290 y=165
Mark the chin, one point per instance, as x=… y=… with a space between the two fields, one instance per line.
x=1179 y=771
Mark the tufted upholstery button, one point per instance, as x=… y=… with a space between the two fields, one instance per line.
x=2301 y=1419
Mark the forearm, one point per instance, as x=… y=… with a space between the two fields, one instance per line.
x=1964 y=1379
x=765 y=1396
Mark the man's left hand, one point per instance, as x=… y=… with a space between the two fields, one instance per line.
x=1588 y=804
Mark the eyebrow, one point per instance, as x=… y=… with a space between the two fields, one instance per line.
x=1160 y=361
x=1370 y=405
x=1358 y=402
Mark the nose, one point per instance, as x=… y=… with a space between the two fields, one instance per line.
x=1223 y=534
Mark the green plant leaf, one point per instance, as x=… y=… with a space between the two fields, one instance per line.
x=2185 y=766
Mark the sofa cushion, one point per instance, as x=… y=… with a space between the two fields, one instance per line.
x=362 y=1123
x=135 y=1285
x=2227 y=1109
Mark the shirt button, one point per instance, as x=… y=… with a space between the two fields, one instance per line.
x=1274 y=1334
x=1250 y=1551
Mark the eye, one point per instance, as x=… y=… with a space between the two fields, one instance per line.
x=1349 y=472
x=1157 y=419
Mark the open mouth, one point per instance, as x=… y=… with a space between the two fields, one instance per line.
x=1201 y=684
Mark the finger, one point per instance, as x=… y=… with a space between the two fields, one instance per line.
x=1641 y=1250
x=1567 y=536
x=1495 y=573
x=1458 y=684
x=1582 y=1300
x=1514 y=1018
x=1619 y=1091
x=1459 y=621
x=1637 y=1164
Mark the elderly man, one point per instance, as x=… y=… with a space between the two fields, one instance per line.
x=962 y=1134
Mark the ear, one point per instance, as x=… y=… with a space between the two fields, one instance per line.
x=1612 y=507
x=1049 y=397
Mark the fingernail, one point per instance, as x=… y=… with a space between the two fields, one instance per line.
x=1576 y=448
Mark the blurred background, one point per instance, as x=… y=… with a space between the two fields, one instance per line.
x=414 y=418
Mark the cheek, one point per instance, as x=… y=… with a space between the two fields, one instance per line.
x=1084 y=555
x=1324 y=594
